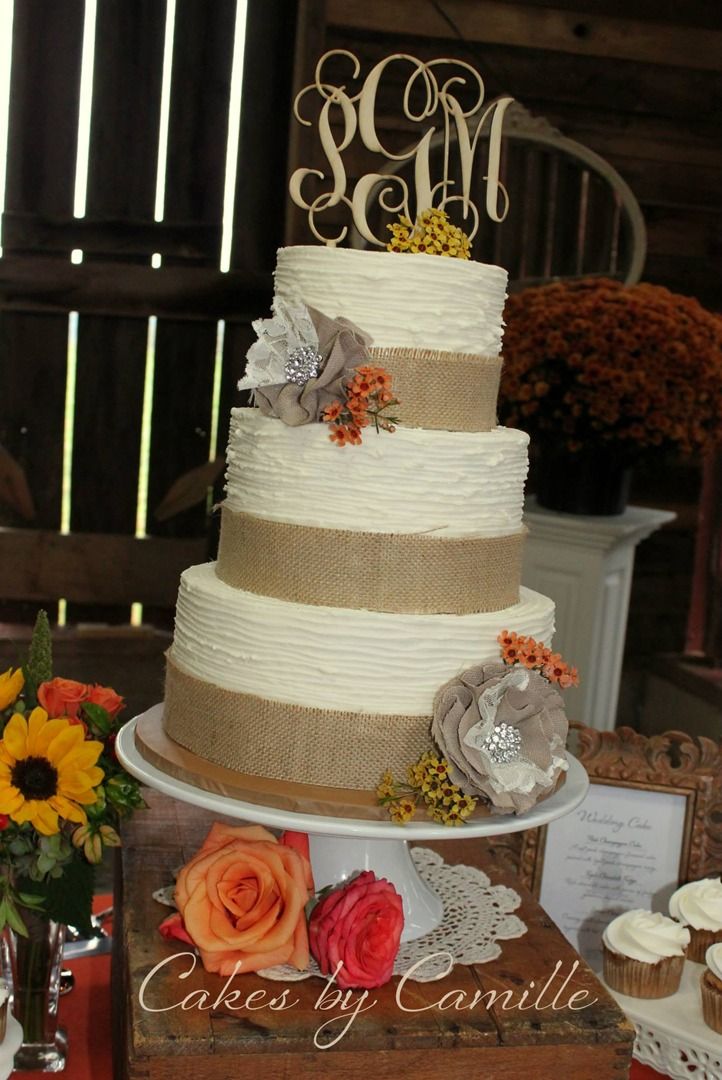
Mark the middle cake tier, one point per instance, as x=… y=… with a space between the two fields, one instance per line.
x=333 y=658
x=425 y=522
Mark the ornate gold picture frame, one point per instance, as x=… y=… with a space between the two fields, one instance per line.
x=673 y=763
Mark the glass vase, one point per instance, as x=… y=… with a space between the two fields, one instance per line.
x=32 y=967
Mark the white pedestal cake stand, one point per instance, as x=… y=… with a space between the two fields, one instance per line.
x=341 y=847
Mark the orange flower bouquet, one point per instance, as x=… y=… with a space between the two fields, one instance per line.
x=596 y=362
x=63 y=794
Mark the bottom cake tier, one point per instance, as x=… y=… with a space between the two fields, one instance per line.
x=320 y=696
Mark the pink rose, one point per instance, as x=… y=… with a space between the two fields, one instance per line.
x=62 y=697
x=359 y=923
x=241 y=901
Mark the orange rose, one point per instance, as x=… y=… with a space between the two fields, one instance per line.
x=62 y=697
x=241 y=900
x=106 y=698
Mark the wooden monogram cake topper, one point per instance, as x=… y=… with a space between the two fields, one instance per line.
x=442 y=112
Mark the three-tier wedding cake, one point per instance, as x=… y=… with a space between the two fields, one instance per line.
x=367 y=585
x=354 y=581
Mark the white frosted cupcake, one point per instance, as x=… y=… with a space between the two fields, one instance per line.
x=711 y=987
x=698 y=905
x=644 y=954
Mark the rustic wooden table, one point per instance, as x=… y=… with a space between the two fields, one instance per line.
x=585 y=1037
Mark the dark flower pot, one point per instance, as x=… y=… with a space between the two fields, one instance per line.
x=592 y=481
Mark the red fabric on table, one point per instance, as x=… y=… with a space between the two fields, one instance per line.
x=84 y=1013
x=644 y=1072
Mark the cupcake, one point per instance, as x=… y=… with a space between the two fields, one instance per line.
x=712 y=988
x=698 y=905
x=644 y=954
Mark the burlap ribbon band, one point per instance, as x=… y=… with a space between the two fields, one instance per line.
x=257 y=736
x=442 y=390
x=417 y=573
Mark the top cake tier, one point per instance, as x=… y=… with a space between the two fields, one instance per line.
x=411 y=301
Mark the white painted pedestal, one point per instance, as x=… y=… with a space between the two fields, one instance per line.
x=585 y=565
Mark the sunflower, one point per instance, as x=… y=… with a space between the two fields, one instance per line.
x=47 y=770
x=11 y=683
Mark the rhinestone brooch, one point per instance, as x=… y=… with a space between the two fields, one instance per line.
x=303 y=363
x=503 y=745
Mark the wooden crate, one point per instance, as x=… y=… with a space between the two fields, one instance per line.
x=458 y=1044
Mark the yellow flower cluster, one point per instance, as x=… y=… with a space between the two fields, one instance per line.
x=433 y=234
x=428 y=782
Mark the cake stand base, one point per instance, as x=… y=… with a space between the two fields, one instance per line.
x=342 y=846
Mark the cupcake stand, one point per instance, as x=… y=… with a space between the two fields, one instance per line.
x=341 y=847
x=671 y=1035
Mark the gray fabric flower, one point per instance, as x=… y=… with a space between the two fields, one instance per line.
x=343 y=347
x=502 y=731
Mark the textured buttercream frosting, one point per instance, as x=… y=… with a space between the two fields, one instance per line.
x=713 y=960
x=420 y=301
x=452 y=483
x=642 y=935
x=335 y=658
x=698 y=904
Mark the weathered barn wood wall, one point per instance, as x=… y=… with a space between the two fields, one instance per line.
x=640 y=83
x=115 y=289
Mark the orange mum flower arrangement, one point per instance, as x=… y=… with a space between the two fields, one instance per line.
x=368 y=397
x=596 y=362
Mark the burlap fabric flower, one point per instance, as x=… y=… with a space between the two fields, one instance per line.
x=502 y=730
x=342 y=347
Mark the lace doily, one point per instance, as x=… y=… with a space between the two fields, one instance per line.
x=477 y=916
x=289 y=328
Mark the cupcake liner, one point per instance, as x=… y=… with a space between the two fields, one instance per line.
x=700 y=941
x=712 y=1001
x=639 y=979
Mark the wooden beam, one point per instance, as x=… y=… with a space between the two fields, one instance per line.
x=183 y=240
x=93 y=568
x=494 y=22
x=36 y=283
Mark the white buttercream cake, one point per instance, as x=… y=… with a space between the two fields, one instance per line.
x=326 y=692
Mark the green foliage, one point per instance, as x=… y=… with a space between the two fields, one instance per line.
x=123 y=795
x=39 y=666
x=67 y=898
x=98 y=719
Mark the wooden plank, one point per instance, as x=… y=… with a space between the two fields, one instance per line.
x=108 y=411
x=261 y=192
x=43 y=117
x=496 y=23
x=93 y=568
x=691 y=13
x=302 y=141
x=182 y=417
x=202 y=54
x=44 y=284
x=126 y=110
x=559 y=85
x=24 y=233
x=32 y=403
